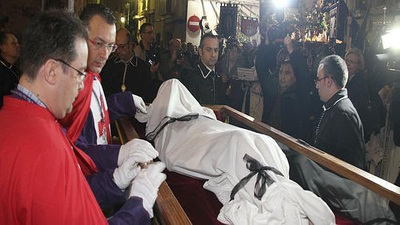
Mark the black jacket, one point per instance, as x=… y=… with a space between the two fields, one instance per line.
x=340 y=131
x=368 y=105
x=138 y=79
x=9 y=78
x=205 y=85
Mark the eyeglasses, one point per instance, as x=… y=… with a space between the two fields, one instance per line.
x=82 y=75
x=316 y=80
x=121 y=46
x=101 y=44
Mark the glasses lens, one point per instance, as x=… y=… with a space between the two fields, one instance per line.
x=112 y=47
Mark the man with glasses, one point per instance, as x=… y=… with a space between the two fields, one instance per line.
x=339 y=131
x=88 y=125
x=41 y=171
x=126 y=72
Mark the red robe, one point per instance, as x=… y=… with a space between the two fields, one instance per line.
x=40 y=179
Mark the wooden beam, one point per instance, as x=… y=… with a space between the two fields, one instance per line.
x=167 y=209
x=368 y=180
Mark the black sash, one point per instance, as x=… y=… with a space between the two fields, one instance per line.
x=262 y=177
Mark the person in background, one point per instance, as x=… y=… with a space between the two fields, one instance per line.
x=204 y=82
x=173 y=61
x=9 y=54
x=88 y=124
x=41 y=170
x=360 y=95
x=146 y=50
x=339 y=131
x=126 y=72
x=290 y=104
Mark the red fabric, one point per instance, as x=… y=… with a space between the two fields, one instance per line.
x=86 y=163
x=41 y=181
x=200 y=205
x=75 y=120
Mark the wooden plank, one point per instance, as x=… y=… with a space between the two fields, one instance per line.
x=368 y=180
x=167 y=209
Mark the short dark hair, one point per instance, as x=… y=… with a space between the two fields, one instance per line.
x=143 y=27
x=206 y=35
x=50 y=35
x=92 y=10
x=335 y=67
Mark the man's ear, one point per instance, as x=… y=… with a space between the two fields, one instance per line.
x=200 y=51
x=50 y=70
x=330 y=81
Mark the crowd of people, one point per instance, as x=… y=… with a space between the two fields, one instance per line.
x=75 y=76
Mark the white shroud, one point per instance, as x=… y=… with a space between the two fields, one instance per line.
x=209 y=149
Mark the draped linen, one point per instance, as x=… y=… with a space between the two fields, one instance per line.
x=206 y=148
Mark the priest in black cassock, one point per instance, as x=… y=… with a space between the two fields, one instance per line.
x=126 y=72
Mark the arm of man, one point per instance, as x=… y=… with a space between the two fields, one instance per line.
x=132 y=213
x=349 y=140
x=120 y=104
x=105 y=190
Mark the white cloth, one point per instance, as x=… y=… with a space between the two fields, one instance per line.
x=209 y=149
x=97 y=111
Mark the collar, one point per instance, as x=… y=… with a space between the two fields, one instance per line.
x=133 y=61
x=27 y=95
x=93 y=76
x=205 y=70
x=5 y=63
x=340 y=95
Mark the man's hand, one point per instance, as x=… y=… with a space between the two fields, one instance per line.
x=139 y=104
x=124 y=174
x=288 y=43
x=154 y=67
x=146 y=184
x=140 y=150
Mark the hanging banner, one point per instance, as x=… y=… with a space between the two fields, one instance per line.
x=228 y=20
x=249 y=26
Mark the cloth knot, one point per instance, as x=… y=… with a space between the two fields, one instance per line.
x=263 y=178
x=153 y=134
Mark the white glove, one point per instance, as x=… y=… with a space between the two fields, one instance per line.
x=139 y=104
x=142 y=117
x=146 y=184
x=142 y=151
x=124 y=174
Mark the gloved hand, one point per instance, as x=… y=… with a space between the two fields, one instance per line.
x=142 y=117
x=142 y=151
x=139 y=104
x=124 y=174
x=146 y=184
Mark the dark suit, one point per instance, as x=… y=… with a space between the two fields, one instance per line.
x=340 y=131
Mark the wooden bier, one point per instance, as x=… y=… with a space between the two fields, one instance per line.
x=374 y=183
x=168 y=210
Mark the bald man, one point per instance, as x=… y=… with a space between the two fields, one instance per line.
x=126 y=72
x=173 y=61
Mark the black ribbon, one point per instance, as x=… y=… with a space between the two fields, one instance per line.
x=152 y=135
x=262 y=177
